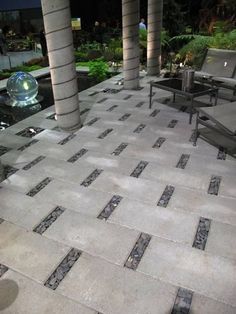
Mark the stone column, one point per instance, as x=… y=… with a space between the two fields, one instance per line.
x=57 y=24
x=130 y=27
x=155 y=8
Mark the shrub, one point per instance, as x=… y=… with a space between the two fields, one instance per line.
x=98 y=70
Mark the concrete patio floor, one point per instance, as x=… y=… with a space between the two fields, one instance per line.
x=124 y=216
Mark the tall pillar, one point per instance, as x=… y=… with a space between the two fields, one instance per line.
x=130 y=27
x=57 y=24
x=155 y=9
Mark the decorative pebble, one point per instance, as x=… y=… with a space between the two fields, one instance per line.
x=91 y=122
x=125 y=117
x=110 y=207
x=166 y=196
x=67 y=139
x=138 y=251
x=112 y=108
x=139 y=128
x=46 y=222
x=172 y=123
x=39 y=186
x=139 y=169
x=77 y=155
x=119 y=149
x=91 y=177
x=182 y=302
x=61 y=271
x=214 y=185
x=202 y=233
x=105 y=133
x=33 y=163
x=159 y=142
x=183 y=161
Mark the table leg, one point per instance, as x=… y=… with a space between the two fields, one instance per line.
x=150 y=97
x=216 y=97
x=196 y=130
x=173 y=97
x=191 y=111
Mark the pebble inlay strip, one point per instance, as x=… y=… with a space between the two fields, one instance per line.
x=102 y=100
x=182 y=302
x=127 y=97
x=139 y=128
x=61 y=271
x=91 y=177
x=222 y=153
x=125 y=117
x=31 y=131
x=3 y=269
x=159 y=142
x=39 y=186
x=84 y=111
x=4 y=150
x=105 y=133
x=166 y=196
x=138 y=251
x=202 y=233
x=112 y=108
x=67 y=139
x=119 y=149
x=92 y=121
x=154 y=113
x=9 y=170
x=183 y=161
x=139 y=169
x=51 y=116
x=27 y=145
x=172 y=123
x=33 y=162
x=109 y=208
x=46 y=222
x=111 y=90
x=214 y=185
x=77 y=155
x=140 y=104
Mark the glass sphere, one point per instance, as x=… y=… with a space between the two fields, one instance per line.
x=22 y=86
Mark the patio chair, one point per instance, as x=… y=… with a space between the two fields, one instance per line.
x=219 y=69
x=222 y=120
x=217 y=63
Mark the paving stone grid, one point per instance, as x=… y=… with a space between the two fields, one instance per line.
x=114 y=207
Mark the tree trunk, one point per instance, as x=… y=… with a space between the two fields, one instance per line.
x=57 y=23
x=155 y=10
x=130 y=26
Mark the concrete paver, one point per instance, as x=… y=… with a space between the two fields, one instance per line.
x=142 y=234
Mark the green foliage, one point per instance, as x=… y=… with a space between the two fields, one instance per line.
x=98 y=70
x=193 y=52
x=143 y=38
x=114 y=50
x=224 y=40
x=81 y=56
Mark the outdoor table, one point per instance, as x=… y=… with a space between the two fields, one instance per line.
x=175 y=86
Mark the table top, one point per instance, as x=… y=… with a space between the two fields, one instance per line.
x=175 y=85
